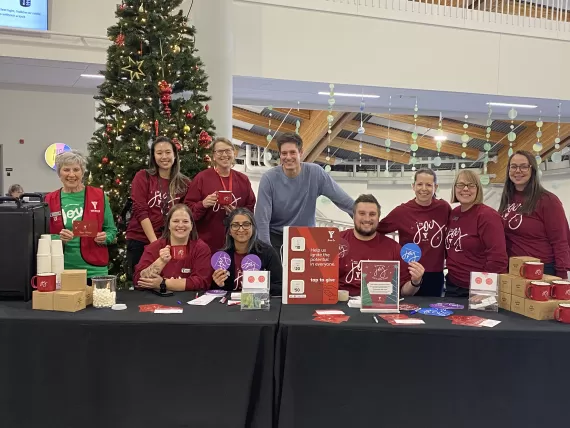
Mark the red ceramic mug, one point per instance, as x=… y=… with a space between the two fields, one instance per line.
x=561 y=290
x=562 y=313
x=532 y=270
x=178 y=252
x=225 y=197
x=44 y=282
x=538 y=290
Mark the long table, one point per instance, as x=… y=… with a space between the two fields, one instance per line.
x=211 y=366
x=362 y=374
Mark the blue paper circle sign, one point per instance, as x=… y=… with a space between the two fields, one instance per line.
x=411 y=253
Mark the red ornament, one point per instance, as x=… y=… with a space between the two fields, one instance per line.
x=177 y=144
x=189 y=115
x=207 y=158
x=109 y=128
x=105 y=160
x=207 y=108
x=120 y=40
x=204 y=139
x=165 y=96
x=118 y=181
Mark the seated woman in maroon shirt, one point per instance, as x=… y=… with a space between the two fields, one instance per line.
x=241 y=240
x=153 y=192
x=534 y=219
x=189 y=269
x=423 y=221
x=202 y=195
x=475 y=240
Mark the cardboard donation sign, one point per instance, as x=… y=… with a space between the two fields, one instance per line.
x=310 y=265
x=380 y=286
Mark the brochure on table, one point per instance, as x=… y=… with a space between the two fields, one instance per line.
x=483 y=291
x=380 y=286
x=310 y=265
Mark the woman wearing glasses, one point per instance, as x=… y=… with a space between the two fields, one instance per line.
x=241 y=240
x=534 y=219
x=204 y=199
x=475 y=241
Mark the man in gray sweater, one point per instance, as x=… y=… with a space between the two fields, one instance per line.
x=288 y=193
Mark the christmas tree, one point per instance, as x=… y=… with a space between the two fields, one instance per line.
x=155 y=85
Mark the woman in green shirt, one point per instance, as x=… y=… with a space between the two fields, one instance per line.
x=76 y=202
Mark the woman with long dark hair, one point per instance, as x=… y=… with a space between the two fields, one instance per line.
x=153 y=192
x=208 y=209
x=423 y=221
x=534 y=219
x=177 y=261
x=241 y=240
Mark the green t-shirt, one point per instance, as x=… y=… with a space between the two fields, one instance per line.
x=72 y=210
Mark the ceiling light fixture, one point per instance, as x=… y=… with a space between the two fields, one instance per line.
x=512 y=105
x=440 y=138
x=340 y=94
x=93 y=76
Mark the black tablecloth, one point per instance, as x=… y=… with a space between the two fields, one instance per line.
x=363 y=374
x=211 y=366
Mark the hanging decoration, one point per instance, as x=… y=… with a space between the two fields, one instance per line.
x=361 y=130
x=269 y=137
x=120 y=40
x=537 y=147
x=204 y=139
x=414 y=147
x=388 y=141
x=438 y=141
x=465 y=136
x=165 y=96
x=134 y=69
x=512 y=136
x=557 y=155
x=487 y=145
x=330 y=119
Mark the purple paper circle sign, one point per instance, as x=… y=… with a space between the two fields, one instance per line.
x=217 y=292
x=446 y=306
x=435 y=312
x=251 y=262
x=221 y=260
x=411 y=253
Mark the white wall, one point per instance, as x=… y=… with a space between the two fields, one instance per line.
x=41 y=118
x=380 y=49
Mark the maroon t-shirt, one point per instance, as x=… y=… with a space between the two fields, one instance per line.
x=210 y=221
x=151 y=199
x=353 y=251
x=475 y=242
x=424 y=226
x=543 y=234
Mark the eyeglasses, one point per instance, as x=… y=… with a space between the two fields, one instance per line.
x=236 y=226
x=523 y=168
x=462 y=186
x=226 y=152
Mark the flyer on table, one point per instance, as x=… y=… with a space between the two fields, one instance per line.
x=310 y=265
x=27 y=14
x=380 y=286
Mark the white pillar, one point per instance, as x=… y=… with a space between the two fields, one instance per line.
x=214 y=40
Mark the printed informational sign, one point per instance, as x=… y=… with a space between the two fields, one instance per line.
x=310 y=265
x=380 y=286
x=27 y=14
x=53 y=150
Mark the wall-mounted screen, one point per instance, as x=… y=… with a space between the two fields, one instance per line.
x=27 y=14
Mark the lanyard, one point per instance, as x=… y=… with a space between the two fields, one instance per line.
x=223 y=184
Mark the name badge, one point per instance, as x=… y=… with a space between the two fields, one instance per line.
x=55 y=214
x=185 y=270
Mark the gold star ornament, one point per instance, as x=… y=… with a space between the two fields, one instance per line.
x=134 y=69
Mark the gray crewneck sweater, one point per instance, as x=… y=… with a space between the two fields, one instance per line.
x=284 y=201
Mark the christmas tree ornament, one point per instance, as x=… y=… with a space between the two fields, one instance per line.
x=134 y=69
x=204 y=139
x=176 y=49
x=186 y=129
x=120 y=40
x=165 y=96
x=177 y=144
x=207 y=108
x=189 y=115
x=105 y=160
x=207 y=159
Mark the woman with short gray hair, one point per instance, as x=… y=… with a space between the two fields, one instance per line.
x=81 y=217
x=15 y=191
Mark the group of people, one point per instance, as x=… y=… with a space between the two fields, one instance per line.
x=171 y=211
